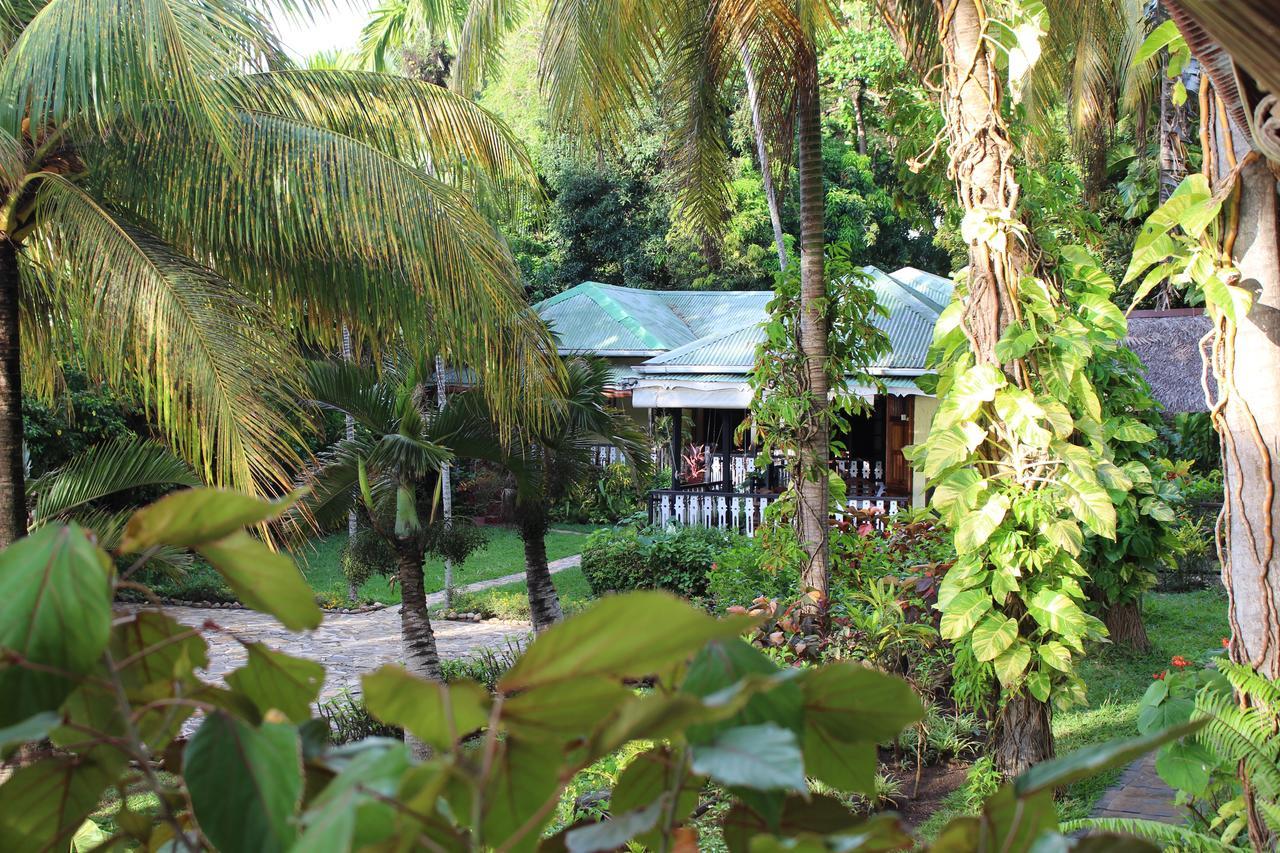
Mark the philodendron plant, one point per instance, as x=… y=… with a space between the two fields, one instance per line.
x=95 y=699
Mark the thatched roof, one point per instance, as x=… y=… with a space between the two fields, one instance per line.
x=1168 y=342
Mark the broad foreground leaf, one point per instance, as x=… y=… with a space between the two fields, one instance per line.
x=435 y=713
x=273 y=679
x=55 y=611
x=245 y=783
x=194 y=517
x=624 y=636
x=264 y=580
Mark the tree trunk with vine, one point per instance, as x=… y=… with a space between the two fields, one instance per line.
x=13 y=495
x=981 y=164
x=814 y=444
x=1247 y=410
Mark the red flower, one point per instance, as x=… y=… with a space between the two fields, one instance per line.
x=1180 y=662
x=1159 y=676
x=1226 y=642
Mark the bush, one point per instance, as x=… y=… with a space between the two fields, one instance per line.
x=742 y=574
x=677 y=559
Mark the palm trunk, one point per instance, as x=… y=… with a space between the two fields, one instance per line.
x=350 y=432
x=813 y=448
x=982 y=156
x=13 y=494
x=544 y=601
x=1125 y=628
x=417 y=639
x=762 y=151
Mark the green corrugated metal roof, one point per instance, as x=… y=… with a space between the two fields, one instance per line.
x=719 y=330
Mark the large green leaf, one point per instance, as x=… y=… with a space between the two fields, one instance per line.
x=564 y=711
x=977 y=525
x=614 y=833
x=1011 y=663
x=766 y=757
x=525 y=775
x=721 y=665
x=55 y=611
x=976 y=386
x=43 y=804
x=245 y=783
x=848 y=711
x=194 y=517
x=951 y=446
x=436 y=713
x=1057 y=611
x=1091 y=504
x=263 y=579
x=991 y=636
x=624 y=636
x=963 y=612
x=815 y=815
x=650 y=774
x=273 y=679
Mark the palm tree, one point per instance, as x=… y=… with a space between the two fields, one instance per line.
x=547 y=459
x=387 y=470
x=601 y=59
x=173 y=196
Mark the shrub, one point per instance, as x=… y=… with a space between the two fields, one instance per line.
x=677 y=559
x=742 y=574
x=349 y=721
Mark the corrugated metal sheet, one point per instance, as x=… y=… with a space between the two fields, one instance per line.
x=720 y=330
x=937 y=289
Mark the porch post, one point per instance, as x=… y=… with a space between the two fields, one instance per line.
x=677 y=442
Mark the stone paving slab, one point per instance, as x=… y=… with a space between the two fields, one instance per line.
x=348 y=644
x=1141 y=793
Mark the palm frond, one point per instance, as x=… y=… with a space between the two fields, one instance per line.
x=214 y=374
x=104 y=62
x=409 y=120
x=487 y=23
x=333 y=484
x=329 y=229
x=396 y=24
x=1150 y=830
x=352 y=389
x=597 y=58
x=105 y=470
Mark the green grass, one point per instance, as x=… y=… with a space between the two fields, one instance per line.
x=511 y=601
x=1190 y=624
x=503 y=555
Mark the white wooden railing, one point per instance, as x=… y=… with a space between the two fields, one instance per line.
x=744 y=512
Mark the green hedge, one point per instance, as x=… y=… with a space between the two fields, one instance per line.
x=678 y=559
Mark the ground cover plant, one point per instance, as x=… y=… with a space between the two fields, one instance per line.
x=258 y=774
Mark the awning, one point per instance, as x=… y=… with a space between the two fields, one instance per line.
x=724 y=391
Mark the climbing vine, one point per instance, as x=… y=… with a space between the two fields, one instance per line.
x=1021 y=458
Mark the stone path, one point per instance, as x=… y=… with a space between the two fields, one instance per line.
x=556 y=566
x=348 y=644
x=1140 y=793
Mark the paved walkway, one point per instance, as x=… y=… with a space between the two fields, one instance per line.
x=556 y=566
x=1140 y=793
x=348 y=644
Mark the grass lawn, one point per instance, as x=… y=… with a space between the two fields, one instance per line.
x=511 y=601
x=1189 y=624
x=503 y=555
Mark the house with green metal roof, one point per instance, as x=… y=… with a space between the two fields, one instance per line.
x=682 y=358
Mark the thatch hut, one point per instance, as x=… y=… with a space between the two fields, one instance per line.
x=1168 y=343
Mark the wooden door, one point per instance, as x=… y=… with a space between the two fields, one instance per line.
x=899 y=432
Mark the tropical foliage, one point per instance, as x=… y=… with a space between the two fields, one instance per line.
x=259 y=775
x=175 y=194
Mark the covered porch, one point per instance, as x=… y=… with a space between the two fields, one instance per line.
x=718 y=479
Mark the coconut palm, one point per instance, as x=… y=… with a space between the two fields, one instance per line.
x=173 y=195
x=601 y=59
x=387 y=470
x=547 y=459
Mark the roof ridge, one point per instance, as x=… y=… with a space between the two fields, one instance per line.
x=698 y=343
x=913 y=298
x=595 y=291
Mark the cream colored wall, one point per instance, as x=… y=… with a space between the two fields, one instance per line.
x=921 y=420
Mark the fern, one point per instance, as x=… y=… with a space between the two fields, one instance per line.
x=1243 y=734
x=1164 y=834
x=1263 y=693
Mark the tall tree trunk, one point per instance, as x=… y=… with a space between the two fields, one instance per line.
x=814 y=448
x=1173 y=155
x=13 y=490
x=982 y=157
x=417 y=638
x=446 y=488
x=859 y=88
x=350 y=424
x=762 y=151
x=1249 y=423
x=544 y=602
